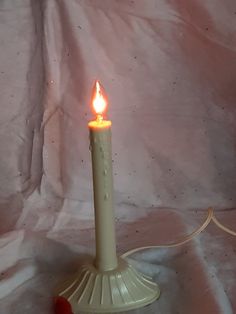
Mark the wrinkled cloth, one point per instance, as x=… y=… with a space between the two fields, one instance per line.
x=169 y=70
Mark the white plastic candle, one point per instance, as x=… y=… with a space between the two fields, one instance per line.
x=111 y=285
x=100 y=143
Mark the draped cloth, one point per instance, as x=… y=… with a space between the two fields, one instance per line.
x=169 y=70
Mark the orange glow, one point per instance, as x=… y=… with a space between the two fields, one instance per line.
x=99 y=101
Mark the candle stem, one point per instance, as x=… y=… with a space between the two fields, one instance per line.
x=106 y=258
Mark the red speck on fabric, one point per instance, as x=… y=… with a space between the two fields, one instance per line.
x=62 y=306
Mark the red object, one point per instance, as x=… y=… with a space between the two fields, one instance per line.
x=62 y=306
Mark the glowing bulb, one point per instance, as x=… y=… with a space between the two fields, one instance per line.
x=99 y=101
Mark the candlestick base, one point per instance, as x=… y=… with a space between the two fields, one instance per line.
x=121 y=289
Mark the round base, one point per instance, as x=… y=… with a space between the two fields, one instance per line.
x=121 y=289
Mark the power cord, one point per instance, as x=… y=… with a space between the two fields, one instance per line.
x=210 y=217
x=233 y=233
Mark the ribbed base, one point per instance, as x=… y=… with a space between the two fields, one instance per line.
x=118 y=290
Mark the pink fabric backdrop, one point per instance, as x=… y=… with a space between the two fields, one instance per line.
x=169 y=69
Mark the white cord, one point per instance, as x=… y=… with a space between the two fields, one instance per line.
x=210 y=217
x=222 y=226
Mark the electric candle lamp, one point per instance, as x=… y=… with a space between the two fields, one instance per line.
x=110 y=284
x=100 y=143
